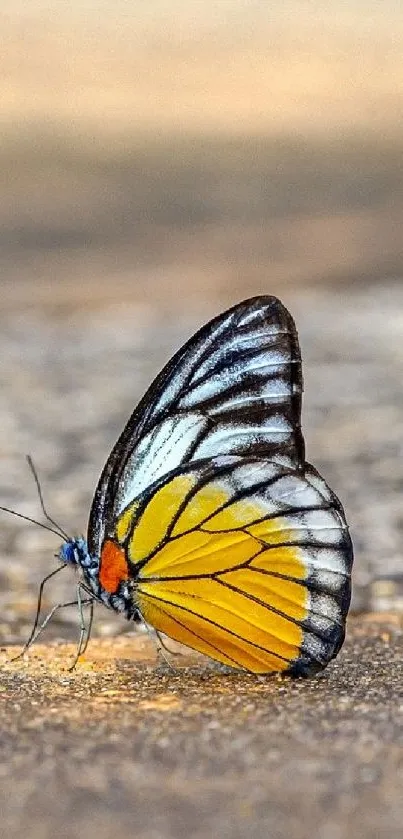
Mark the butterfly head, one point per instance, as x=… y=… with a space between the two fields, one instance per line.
x=107 y=582
x=74 y=552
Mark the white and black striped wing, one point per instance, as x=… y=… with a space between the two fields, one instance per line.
x=233 y=389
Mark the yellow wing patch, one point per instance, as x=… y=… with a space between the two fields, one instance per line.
x=247 y=614
x=238 y=514
x=152 y=525
x=203 y=504
x=125 y=521
x=285 y=596
x=212 y=583
x=201 y=554
x=229 y=609
x=204 y=637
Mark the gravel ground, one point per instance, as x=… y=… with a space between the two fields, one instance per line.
x=122 y=747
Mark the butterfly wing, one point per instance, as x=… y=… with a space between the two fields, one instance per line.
x=233 y=544
x=244 y=560
x=234 y=388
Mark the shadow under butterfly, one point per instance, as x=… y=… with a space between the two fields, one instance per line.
x=207 y=522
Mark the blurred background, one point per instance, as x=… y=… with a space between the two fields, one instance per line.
x=218 y=146
x=158 y=162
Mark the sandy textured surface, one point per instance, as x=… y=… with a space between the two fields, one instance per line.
x=122 y=746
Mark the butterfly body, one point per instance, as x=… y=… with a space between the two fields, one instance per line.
x=208 y=522
x=75 y=552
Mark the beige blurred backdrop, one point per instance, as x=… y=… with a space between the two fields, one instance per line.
x=209 y=148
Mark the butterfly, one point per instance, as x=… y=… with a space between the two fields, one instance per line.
x=207 y=522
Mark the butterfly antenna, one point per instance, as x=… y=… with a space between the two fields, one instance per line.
x=58 y=533
x=41 y=500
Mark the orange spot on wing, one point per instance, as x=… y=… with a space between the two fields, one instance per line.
x=113 y=566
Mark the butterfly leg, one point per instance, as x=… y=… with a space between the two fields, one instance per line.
x=161 y=652
x=165 y=645
x=38 y=629
x=160 y=645
x=35 y=632
x=85 y=631
x=89 y=628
